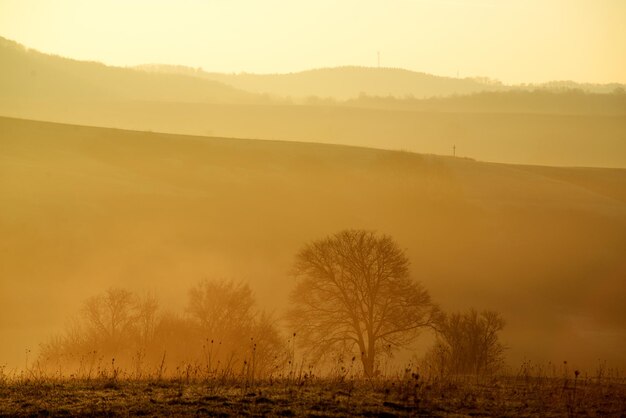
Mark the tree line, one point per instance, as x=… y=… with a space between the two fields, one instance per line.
x=353 y=297
x=222 y=332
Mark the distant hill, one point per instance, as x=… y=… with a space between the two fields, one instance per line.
x=82 y=209
x=556 y=86
x=341 y=83
x=563 y=102
x=345 y=83
x=527 y=127
x=396 y=89
x=28 y=74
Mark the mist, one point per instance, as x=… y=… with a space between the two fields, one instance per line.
x=86 y=209
x=404 y=235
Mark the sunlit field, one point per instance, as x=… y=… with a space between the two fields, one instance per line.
x=313 y=208
x=205 y=344
x=530 y=391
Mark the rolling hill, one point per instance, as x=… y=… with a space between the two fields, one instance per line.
x=349 y=83
x=84 y=208
x=566 y=102
x=593 y=140
x=341 y=83
x=565 y=129
x=28 y=74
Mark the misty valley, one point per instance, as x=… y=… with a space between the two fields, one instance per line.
x=345 y=241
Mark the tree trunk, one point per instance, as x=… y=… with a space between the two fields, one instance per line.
x=368 y=357
x=368 y=365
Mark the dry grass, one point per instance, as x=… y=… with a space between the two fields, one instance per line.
x=531 y=392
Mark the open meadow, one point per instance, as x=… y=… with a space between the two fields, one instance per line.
x=520 y=395
x=317 y=208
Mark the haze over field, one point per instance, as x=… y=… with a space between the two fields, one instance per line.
x=86 y=208
x=360 y=207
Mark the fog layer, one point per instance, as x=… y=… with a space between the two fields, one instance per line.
x=83 y=209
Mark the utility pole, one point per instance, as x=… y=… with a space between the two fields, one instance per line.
x=454 y=150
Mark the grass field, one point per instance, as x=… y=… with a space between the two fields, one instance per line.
x=520 y=395
x=83 y=209
x=589 y=140
x=336 y=242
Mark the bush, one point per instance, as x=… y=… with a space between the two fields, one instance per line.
x=468 y=343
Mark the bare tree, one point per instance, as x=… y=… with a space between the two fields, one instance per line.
x=146 y=318
x=355 y=292
x=111 y=317
x=469 y=343
x=233 y=328
x=224 y=328
x=221 y=306
x=112 y=324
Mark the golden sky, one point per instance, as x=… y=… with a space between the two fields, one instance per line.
x=512 y=40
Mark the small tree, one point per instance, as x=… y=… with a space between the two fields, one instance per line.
x=111 y=317
x=114 y=324
x=468 y=343
x=222 y=307
x=233 y=330
x=355 y=293
x=223 y=329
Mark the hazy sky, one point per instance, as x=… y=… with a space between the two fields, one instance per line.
x=511 y=40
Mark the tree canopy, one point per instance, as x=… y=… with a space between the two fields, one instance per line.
x=468 y=343
x=355 y=295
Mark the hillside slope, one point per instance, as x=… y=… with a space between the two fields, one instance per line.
x=28 y=74
x=592 y=140
x=569 y=129
x=82 y=209
x=350 y=82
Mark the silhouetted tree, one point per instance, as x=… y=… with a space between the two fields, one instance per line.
x=111 y=317
x=233 y=330
x=223 y=331
x=468 y=343
x=355 y=292
x=115 y=324
x=175 y=341
x=146 y=318
x=222 y=307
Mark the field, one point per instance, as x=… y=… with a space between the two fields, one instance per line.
x=83 y=209
x=86 y=208
x=585 y=140
x=210 y=210
x=520 y=395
